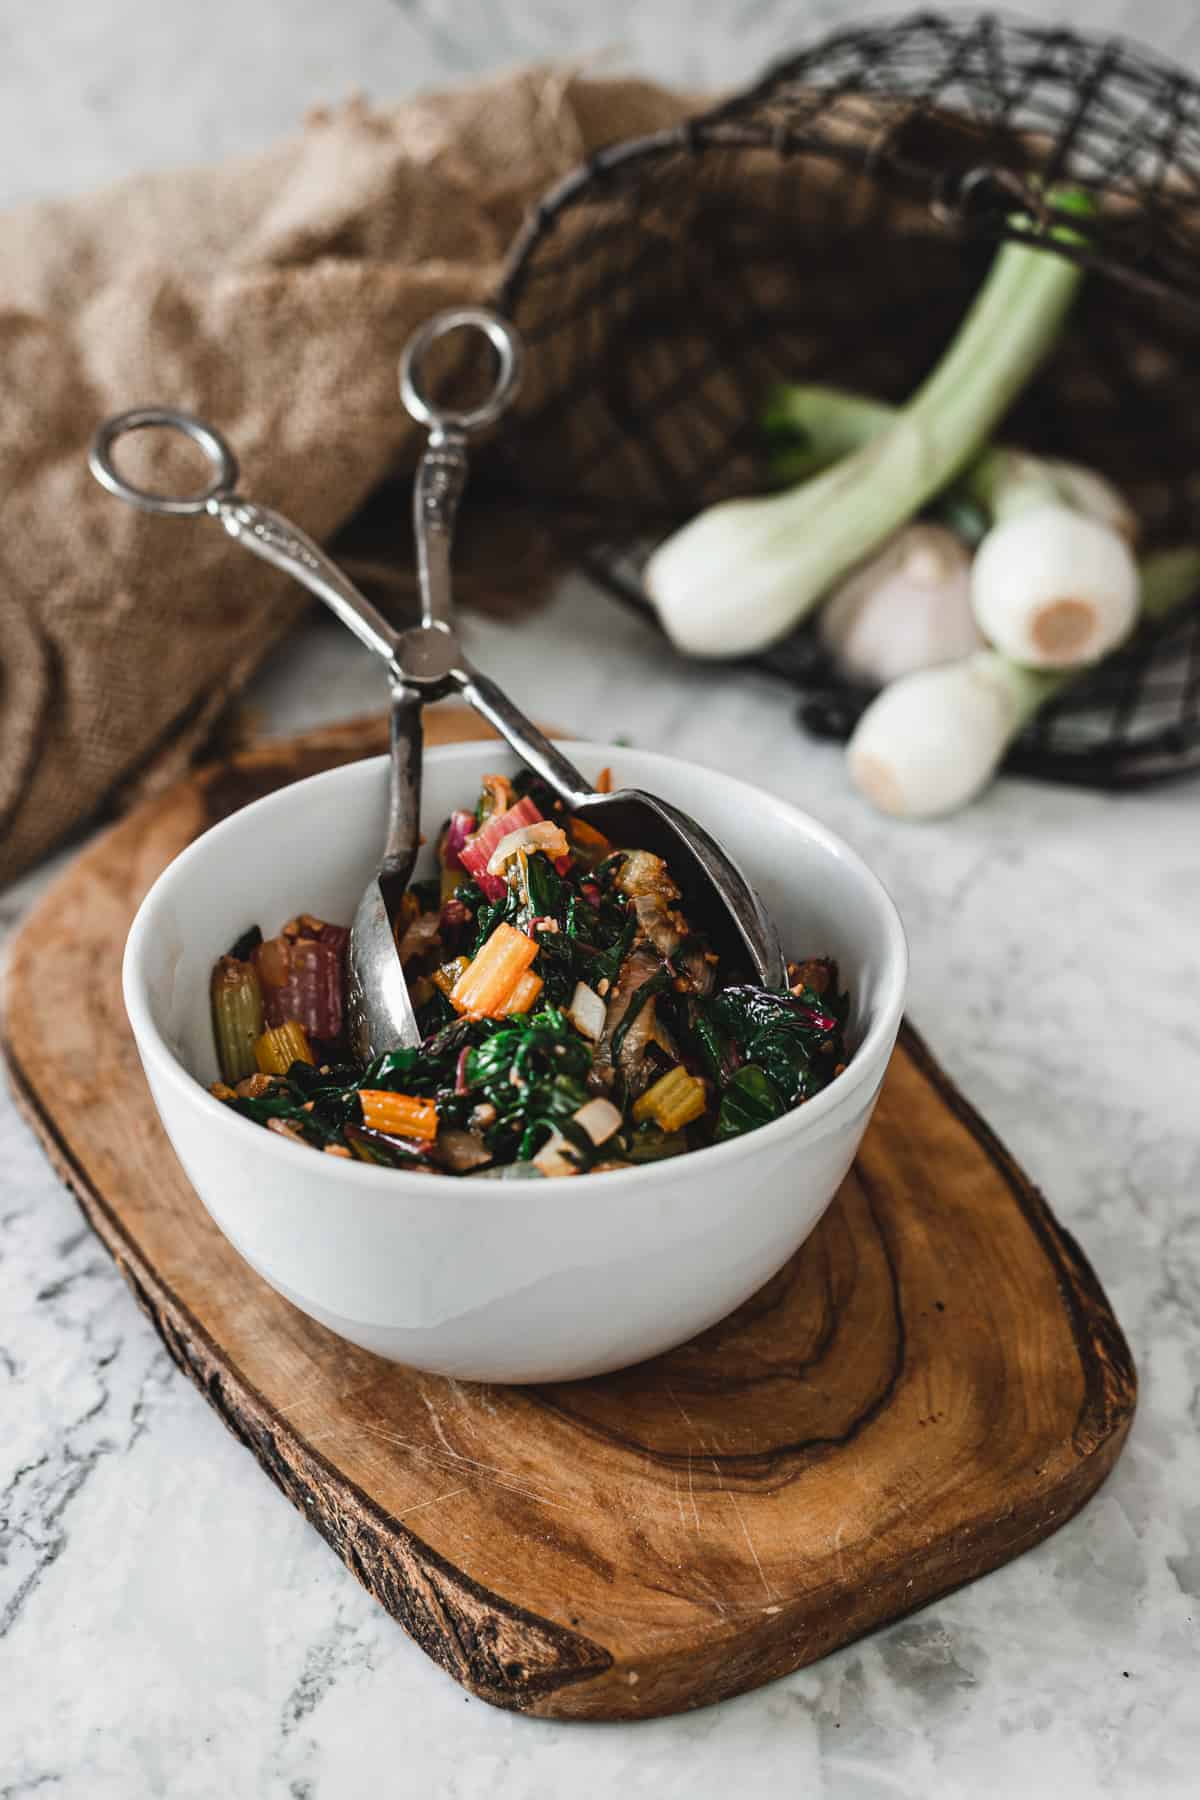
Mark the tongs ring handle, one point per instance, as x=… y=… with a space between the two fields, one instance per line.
x=504 y=342
x=220 y=457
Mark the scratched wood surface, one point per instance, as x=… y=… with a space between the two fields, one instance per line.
x=934 y=1383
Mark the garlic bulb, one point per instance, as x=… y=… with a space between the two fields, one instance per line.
x=1053 y=589
x=907 y=607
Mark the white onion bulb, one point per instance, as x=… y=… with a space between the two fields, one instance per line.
x=932 y=740
x=1086 y=491
x=1052 y=589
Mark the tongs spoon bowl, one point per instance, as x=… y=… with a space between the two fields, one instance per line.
x=425 y=662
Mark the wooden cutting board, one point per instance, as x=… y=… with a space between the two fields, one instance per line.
x=934 y=1383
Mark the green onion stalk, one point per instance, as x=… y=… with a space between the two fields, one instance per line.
x=1054 y=582
x=743 y=572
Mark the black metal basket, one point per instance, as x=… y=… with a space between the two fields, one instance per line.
x=830 y=224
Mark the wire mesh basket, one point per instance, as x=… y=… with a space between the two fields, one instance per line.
x=830 y=225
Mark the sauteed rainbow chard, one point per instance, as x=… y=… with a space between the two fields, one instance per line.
x=572 y=1019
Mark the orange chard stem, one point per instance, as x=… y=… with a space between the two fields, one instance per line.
x=402 y=1115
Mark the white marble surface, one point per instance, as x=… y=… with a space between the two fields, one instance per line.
x=168 y=1625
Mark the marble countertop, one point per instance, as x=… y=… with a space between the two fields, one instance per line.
x=168 y=1625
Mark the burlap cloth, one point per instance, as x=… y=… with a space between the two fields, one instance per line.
x=271 y=295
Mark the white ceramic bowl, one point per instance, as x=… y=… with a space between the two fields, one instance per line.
x=517 y=1280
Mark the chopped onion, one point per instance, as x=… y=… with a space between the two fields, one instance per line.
x=599 y=1118
x=462 y=1151
x=544 y=836
x=587 y=1011
x=642 y=873
x=553 y=1159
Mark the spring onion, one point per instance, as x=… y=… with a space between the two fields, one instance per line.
x=1054 y=582
x=810 y=426
x=741 y=573
x=933 y=740
x=1053 y=589
x=1092 y=494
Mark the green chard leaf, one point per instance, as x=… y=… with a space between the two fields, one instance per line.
x=795 y=1039
x=750 y=1100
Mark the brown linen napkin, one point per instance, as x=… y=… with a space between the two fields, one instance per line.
x=273 y=296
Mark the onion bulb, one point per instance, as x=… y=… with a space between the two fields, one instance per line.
x=1054 y=595
x=1087 y=491
x=932 y=740
x=1054 y=589
x=745 y=571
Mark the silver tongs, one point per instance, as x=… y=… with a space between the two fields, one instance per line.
x=427 y=661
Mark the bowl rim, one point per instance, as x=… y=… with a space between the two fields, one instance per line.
x=800 y=1122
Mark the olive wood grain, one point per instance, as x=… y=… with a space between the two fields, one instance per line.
x=934 y=1383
